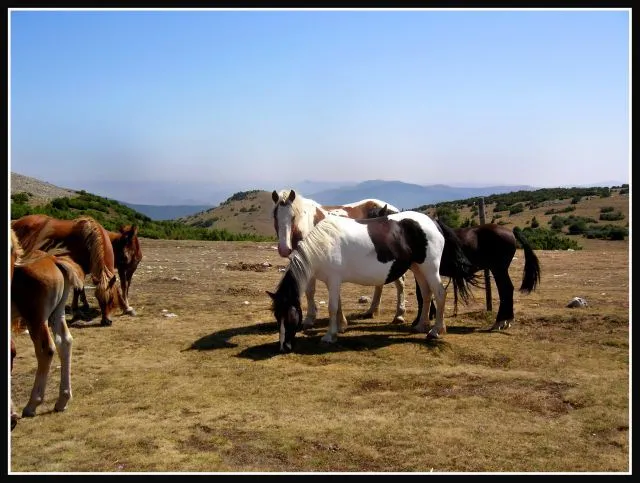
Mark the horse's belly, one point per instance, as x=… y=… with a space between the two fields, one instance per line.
x=371 y=273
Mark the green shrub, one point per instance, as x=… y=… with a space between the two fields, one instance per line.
x=543 y=239
x=20 y=198
x=612 y=216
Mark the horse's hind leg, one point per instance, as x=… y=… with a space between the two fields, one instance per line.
x=44 y=349
x=430 y=277
x=78 y=293
x=400 y=303
x=63 y=342
x=374 y=308
x=310 y=293
x=505 y=292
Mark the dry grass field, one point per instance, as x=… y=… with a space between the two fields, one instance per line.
x=207 y=391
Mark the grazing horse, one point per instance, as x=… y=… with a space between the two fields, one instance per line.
x=367 y=252
x=295 y=216
x=127 y=253
x=40 y=284
x=88 y=245
x=491 y=247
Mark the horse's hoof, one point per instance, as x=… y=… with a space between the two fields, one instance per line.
x=399 y=320
x=432 y=336
x=106 y=322
x=420 y=328
x=329 y=339
x=14 y=421
x=59 y=410
x=130 y=311
x=28 y=413
x=367 y=315
x=415 y=322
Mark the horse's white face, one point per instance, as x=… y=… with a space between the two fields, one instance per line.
x=283 y=220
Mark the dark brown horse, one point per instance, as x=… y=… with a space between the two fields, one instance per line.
x=492 y=247
x=127 y=253
x=40 y=284
x=88 y=245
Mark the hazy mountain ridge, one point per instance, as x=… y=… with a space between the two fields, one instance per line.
x=167 y=212
x=407 y=195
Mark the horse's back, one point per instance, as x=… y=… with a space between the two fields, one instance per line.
x=487 y=244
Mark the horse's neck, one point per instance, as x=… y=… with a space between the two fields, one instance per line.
x=307 y=219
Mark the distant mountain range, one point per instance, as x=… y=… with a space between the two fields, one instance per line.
x=167 y=212
x=181 y=200
x=406 y=195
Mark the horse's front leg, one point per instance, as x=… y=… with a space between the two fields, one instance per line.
x=423 y=292
x=123 y=298
x=13 y=415
x=342 y=320
x=63 y=341
x=334 y=304
x=44 y=349
x=400 y=303
x=310 y=293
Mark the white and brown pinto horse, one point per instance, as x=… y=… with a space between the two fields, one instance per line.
x=294 y=216
x=367 y=252
x=40 y=284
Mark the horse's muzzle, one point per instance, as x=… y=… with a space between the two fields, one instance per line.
x=284 y=251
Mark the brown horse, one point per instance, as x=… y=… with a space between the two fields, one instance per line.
x=88 y=245
x=127 y=252
x=40 y=284
x=492 y=247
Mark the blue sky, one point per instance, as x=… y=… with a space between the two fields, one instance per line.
x=266 y=98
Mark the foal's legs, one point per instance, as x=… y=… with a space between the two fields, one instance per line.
x=310 y=293
x=63 y=342
x=334 y=304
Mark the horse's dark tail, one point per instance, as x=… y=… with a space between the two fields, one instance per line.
x=531 y=272
x=456 y=265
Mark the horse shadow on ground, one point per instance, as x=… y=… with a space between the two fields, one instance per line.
x=309 y=342
x=87 y=318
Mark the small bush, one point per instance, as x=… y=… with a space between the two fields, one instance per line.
x=612 y=216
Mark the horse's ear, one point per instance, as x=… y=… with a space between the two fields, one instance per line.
x=292 y=196
x=134 y=230
x=274 y=196
x=272 y=295
x=385 y=210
